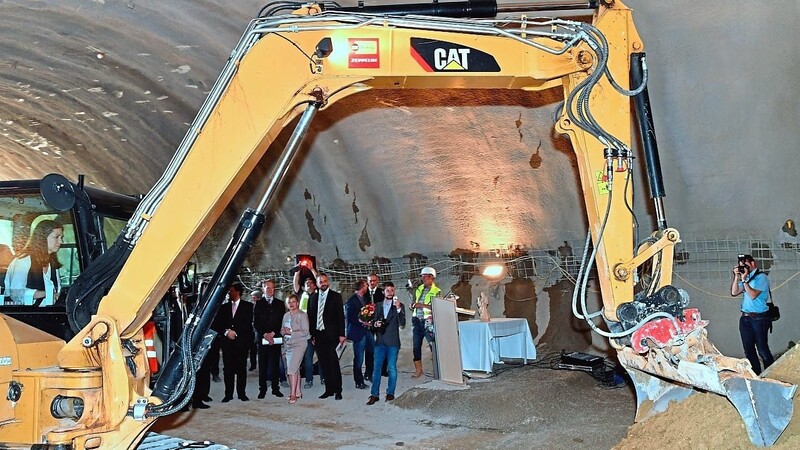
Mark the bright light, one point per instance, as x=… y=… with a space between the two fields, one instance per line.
x=493 y=271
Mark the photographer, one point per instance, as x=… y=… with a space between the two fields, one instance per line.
x=754 y=323
x=388 y=317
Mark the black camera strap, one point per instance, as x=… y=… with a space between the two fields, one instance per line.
x=753 y=277
x=770 y=302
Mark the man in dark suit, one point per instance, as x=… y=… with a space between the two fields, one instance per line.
x=326 y=320
x=388 y=318
x=268 y=314
x=357 y=333
x=374 y=295
x=235 y=324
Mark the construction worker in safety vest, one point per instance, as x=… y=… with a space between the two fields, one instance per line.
x=421 y=314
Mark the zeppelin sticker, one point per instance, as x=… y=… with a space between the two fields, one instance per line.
x=5 y=360
x=441 y=56
x=365 y=53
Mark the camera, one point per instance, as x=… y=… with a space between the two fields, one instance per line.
x=742 y=269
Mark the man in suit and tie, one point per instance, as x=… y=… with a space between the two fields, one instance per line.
x=235 y=324
x=268 y=317
x=326 y=320
x=356 y=331
x=388 y=318
x=374 y=295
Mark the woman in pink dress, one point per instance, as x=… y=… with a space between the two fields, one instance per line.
x=295 y=339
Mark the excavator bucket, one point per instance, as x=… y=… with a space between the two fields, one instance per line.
x=670 y=359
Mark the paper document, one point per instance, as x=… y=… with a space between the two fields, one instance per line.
x=276 y=341
x=340 y=349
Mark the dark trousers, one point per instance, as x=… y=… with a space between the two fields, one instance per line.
x=213 y=355
x=203 y=386
x=308 y=364
x=234 y=359
x=369 y=355
x=269 y=357
x=329 y=362
x=753 y=330
x=418 y=333
x=254 y=352
x=282 y=368
x=358 y=358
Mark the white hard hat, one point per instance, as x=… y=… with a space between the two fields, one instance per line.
x=428 y=270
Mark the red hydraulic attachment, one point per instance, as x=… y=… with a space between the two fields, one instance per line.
x=661 y=332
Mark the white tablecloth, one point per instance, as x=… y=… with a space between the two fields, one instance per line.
x=484 y=343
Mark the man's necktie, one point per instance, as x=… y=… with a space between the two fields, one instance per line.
x=320 y=309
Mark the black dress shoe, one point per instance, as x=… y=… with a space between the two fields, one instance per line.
x=208 y=399
x=227 y=399
x=200 y=405
x=367 y=378
x=244 y=398
x=262 y=394
x=338 y=396
x=389 y=397
x=277 y=394
x=216 y=379
x=185 y=408
x=361 y=386
x=252 y=368
x=372 y=400
x=326 y=395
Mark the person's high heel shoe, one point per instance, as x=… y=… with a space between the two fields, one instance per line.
x=292 y=400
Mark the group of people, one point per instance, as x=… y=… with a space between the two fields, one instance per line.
x=312 y=320
x=315 y=319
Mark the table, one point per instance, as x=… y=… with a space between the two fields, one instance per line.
x=484 y=343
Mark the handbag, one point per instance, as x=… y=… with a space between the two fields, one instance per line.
x=774 y=312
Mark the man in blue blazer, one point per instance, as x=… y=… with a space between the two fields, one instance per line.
x=388 y=318
x=357 y=332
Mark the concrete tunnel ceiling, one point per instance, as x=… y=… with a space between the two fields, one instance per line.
x=108 y=89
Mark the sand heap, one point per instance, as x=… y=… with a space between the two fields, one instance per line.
x=709 y=421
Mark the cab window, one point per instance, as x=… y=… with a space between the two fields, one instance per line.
x=18 y=216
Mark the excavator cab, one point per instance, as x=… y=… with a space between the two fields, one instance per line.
x=91 y=219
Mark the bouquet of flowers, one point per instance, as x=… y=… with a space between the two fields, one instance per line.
x=365 y=315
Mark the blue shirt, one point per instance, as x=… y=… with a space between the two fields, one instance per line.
x=760 y=282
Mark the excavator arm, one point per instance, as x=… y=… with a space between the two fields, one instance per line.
x=290 y=66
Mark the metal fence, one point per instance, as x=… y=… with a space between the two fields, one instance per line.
x=695 y=259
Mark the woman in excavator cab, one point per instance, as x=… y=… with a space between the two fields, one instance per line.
x=32 y=277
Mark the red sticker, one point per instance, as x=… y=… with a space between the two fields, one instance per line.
x=365 y=53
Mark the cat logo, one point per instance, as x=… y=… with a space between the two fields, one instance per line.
x=440 y=56
x=452 y=59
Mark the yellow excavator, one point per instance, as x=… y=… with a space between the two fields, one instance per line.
x=297 y=58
